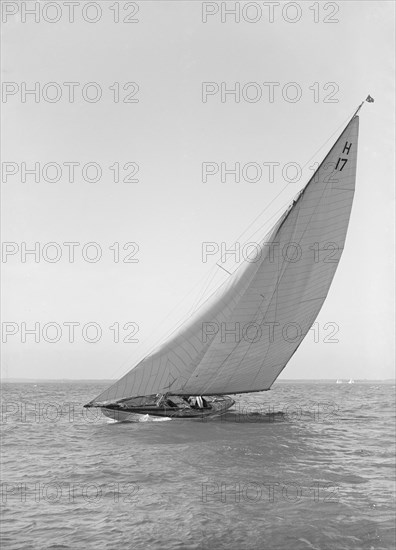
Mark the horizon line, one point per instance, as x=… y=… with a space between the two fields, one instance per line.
x=3 y=379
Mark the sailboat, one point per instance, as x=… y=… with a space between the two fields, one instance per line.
x=339 y=381
x=351 y=381
x=195 y=371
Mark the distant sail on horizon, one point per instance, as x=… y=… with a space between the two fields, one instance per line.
x=276 y=291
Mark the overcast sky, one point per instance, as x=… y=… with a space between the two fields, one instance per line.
x=166 y=136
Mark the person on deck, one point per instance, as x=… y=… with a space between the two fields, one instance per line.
x=196 y=402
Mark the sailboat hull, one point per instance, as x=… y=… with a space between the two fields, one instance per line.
x=216 y=406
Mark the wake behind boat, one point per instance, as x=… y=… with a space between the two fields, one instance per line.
x=190 y=374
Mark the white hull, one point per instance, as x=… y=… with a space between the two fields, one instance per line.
x=121 y=416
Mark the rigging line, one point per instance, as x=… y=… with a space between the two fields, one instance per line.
x=210 y=274
x=282 y=209
x=206 y=284
x=144 y=354
x=169 y=333
x=224 y=269
x=281 y=191
x=309 y=160
x=192 y=311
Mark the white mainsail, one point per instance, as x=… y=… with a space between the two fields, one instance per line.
x=243 y=336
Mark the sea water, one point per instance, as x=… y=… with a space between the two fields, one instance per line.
x=303 y=466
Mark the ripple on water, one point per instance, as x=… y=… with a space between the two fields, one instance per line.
x=318 y=476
